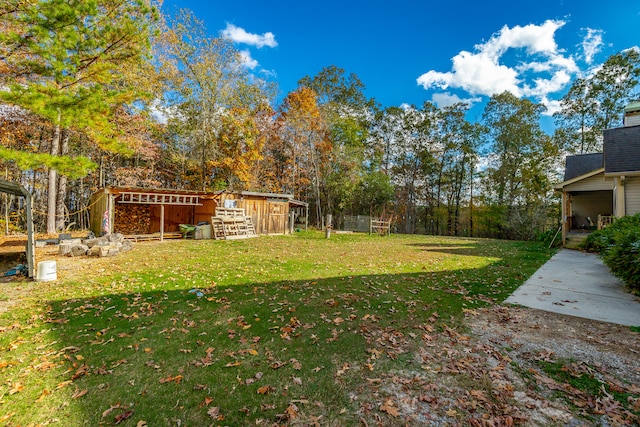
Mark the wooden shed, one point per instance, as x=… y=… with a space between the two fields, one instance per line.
x=135 y=211
x=271 y=213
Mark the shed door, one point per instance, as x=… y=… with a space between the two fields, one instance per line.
x=276 y=217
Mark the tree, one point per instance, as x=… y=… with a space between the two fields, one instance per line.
x=347 y=114
x=596 y=103
x=305 y=131
x=206 y=82
x=517 y=181
x=63 y=60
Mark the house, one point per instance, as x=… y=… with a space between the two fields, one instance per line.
x=154 y=212
x=598 y=187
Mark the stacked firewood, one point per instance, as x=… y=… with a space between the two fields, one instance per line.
x=132 y=219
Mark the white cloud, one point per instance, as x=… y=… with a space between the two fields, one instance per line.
x=240 y=35
x=542 y=69
x=246 y=60
x=553 y=106
x=592 y=44
x=447 y=99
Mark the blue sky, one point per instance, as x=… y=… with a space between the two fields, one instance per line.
x=409 y=52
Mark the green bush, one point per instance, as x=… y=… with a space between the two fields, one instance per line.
x=619 y=247
x=549 y=237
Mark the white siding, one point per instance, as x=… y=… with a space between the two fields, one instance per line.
x=593 y=183
x=632 y=195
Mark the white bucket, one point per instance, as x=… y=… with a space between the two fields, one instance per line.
x=46 y=271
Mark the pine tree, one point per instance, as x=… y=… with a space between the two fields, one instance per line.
x=64 y=61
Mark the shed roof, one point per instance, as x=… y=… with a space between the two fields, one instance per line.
x=582 y=164
x=622 y=150
x=119 y=190
x=13 y=188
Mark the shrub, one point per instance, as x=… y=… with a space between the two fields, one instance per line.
x=549 y=237
x=619 y=247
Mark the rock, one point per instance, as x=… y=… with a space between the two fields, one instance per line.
x=104 y=250
x=79 y=250
x=127 y=245
x=115 y=237
x=99 y=241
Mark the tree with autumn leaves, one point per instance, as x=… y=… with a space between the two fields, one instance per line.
x=103 y=93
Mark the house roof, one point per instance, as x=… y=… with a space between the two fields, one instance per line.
x=634 y=106
x=622 y=150
x=582 y=164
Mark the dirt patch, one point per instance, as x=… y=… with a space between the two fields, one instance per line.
x=496 y=374
x=604 y=351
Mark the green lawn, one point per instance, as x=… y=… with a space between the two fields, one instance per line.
x=273 y=330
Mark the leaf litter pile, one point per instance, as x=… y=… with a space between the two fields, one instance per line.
x=300 y=330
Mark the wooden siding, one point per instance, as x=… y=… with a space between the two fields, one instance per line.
x=269 y=216
x=632 y=195
x=173 y=217
x=594 y=183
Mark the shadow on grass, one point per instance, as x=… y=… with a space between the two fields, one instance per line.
x=243 y=354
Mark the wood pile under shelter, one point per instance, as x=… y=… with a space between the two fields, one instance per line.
x=140 y=213
x=146 y=213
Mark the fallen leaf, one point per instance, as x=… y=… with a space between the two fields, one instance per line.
x=214 y=412
x=265 y=389
x=44 y=394
x=169 y=379
x=124 y=416
x=17 y=388
x=232 y=364
x=291 y=412
x=389 y=408
x=79 y=393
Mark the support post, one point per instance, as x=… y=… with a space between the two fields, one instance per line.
x=31 y=254
x=161 y=222
x=328 y=226
x=564 y=219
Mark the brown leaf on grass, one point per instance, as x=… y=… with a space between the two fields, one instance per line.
x=80 y=372
x=214 y=412
x=5 y=364
x=297 y=380
x=79 y=393
x=277 y=365
x=291 y=412
x=110 y=410
x=63 y=384
x=206 y=402
x=124 y=416
x=169 y=379
x=232 y=364
x=266 y=389
x=141 y=423
x=16 y=388
x=44 y=394
x=389 y=407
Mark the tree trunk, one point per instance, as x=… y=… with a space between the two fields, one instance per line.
x=62 y=185
x=53 y=181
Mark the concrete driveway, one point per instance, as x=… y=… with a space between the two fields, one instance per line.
x=579 y=284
